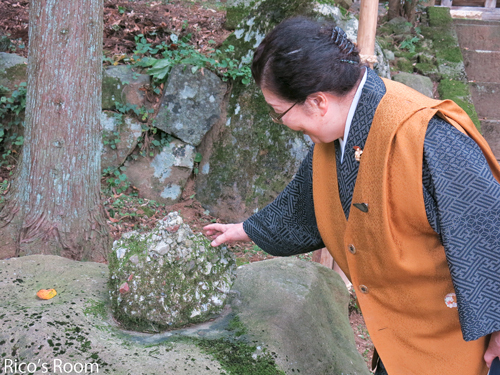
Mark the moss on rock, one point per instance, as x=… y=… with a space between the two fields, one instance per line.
x=404 y=65
x=439 y=16
x=168 y=278
x=253 y=160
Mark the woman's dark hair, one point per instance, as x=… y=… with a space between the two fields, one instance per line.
x=302 y=56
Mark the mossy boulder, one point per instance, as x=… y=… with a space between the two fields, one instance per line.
x=252 y=160
x=404 y=65
x=417 y=82
x=428 y=70
x=168 y=278
x=298 y=309
x=399 y=25
x=123 y=85
x=12 y=70
x=74 y=333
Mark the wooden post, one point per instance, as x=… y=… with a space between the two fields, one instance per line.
x=323 y=257
x=368 y=16
x=490 y=3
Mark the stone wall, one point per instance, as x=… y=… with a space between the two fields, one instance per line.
x=220 y=135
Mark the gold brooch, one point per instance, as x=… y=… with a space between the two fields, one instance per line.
x=357 y=153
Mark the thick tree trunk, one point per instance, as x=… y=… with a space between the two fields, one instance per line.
x=53 y=206
x=394 y=9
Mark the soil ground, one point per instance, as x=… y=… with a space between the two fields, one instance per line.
x=123 y=20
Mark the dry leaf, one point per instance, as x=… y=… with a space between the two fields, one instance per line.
x=46 y=293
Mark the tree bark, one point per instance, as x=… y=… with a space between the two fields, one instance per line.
x=53 y=206
x=394 y=9
x=409 y=9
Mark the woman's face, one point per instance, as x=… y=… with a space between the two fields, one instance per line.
x=322 y=116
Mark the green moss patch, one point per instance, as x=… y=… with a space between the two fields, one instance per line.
x=404 y=65
x=460 y=94
x=239 y=358
x=439 y=16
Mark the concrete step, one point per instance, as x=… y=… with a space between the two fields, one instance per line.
x=478 y=35
x=491 y=132
x=482 y=66
x=486 y=98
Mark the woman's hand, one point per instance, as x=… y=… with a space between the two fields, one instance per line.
x=226 y=233
x=493 y=348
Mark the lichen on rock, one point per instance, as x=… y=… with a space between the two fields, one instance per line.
x=163 y=178
x=168 y=278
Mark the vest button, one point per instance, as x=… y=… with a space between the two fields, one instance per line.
x=352 y=249
x=363 y=289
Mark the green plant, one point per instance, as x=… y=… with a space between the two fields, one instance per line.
x=409 y=43
x=116 y=179
x=197 y=160
x=112 y=141
x=12 y=109
x=4 y=187
x=161 y=58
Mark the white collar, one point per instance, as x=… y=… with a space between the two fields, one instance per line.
x=350 y=115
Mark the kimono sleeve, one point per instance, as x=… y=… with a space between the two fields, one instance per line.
x=467 y=198
x=287 y=226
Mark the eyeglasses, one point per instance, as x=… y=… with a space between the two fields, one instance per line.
x=277 y=117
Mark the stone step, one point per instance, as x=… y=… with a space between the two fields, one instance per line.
x=491 y=132
x=478 y=35
x=482 y=66
x=486 y=98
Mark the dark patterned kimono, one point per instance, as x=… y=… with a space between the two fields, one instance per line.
x=462 y=202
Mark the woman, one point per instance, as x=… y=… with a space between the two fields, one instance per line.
x=401 y=189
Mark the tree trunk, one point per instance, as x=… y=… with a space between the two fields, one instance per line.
x=409 y=9
x=53 y=206
x=394 y=9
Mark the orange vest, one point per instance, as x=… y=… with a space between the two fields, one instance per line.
x=391 y=254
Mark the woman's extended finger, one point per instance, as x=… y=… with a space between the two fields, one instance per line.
x=219 y=240
x=215 y=227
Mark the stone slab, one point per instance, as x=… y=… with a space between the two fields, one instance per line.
x=299 y=307
x=74 y=328
x=486 y=97
x=482 y=66
x=479 y=35
x=491 y=132
x=272 y=296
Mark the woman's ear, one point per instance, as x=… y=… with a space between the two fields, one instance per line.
x=318 y=102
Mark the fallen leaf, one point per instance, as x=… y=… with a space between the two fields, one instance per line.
x=124 y=288
x=46 y=293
